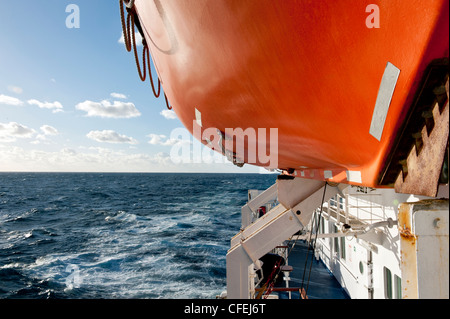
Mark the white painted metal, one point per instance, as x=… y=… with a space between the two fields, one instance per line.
x=361 y=270
x=258 y=224
x=269 y=231
x=354 y=176
x=263 y=198
x=252 y=243
x=293 y=191
x=376 y=260
x=359 y=234
x=198 y=117
x=384 y=97
x=424 y=241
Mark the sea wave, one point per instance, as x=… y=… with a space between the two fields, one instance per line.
x=86 y=235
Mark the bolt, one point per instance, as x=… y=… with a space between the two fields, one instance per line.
x=427 y=114
x=439 y=90
x=298 y=212
x=404 y=164
x=437 y=223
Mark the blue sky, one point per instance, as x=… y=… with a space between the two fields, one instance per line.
x=71 y=98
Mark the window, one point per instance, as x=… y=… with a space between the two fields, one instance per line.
x=343 y=247
x=387 y=283
x=398 y=287
x=336 y=242
x=333 y=201
x=341 y=202
x=316 y=222
x=330 y=230
x=322 y=225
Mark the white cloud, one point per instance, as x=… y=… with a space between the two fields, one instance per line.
x=156 y=139
x=137 y=36
x=118 y=95
x=96 y=159
x=9 y=100
x=168 y=114
x=55 y=106
x=15 y=89
x=106 y=109
x=68 y=159
x=49 y=130
x=9 y=132
x=46 y=130
x=109 y=136
x=69 y=151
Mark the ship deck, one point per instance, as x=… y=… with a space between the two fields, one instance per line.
x=322 y=283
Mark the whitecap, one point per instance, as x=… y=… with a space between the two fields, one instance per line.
x=12 y=265
x=122 y=216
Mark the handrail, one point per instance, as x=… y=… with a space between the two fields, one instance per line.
x=263 y=198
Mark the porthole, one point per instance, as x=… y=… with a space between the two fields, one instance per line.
x=361 y=267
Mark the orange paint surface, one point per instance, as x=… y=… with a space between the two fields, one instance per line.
x=312 y=69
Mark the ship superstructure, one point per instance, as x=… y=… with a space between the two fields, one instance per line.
x=376 y=242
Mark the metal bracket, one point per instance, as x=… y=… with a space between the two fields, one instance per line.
x=422 y=168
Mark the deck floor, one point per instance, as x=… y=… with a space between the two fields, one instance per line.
x=322 y=283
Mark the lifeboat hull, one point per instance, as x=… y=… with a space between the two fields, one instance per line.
x=336 y=79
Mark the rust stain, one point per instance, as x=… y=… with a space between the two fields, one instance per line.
x=406 y=234
x=422 y=167
x=404 y=224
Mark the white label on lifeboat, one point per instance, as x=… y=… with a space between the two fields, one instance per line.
x=354 y=176
x=385 y=92
x=198 y=117
x=328 y=174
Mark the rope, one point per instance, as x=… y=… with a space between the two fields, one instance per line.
x=133 y=36
x=125 y=28
x=167 y=102
x=150 y=74
x=272 y=278
x=129 y=36
x=315 y=240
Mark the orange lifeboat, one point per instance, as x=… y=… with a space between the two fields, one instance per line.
x=340 y=81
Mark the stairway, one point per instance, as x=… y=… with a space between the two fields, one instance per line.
x=298 y=198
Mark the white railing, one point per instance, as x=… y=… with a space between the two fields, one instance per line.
x=267 y=198
x=355 y=206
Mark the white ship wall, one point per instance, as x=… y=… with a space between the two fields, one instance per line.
x=362 y=279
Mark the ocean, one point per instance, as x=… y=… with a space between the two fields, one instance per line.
x=114 y=235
